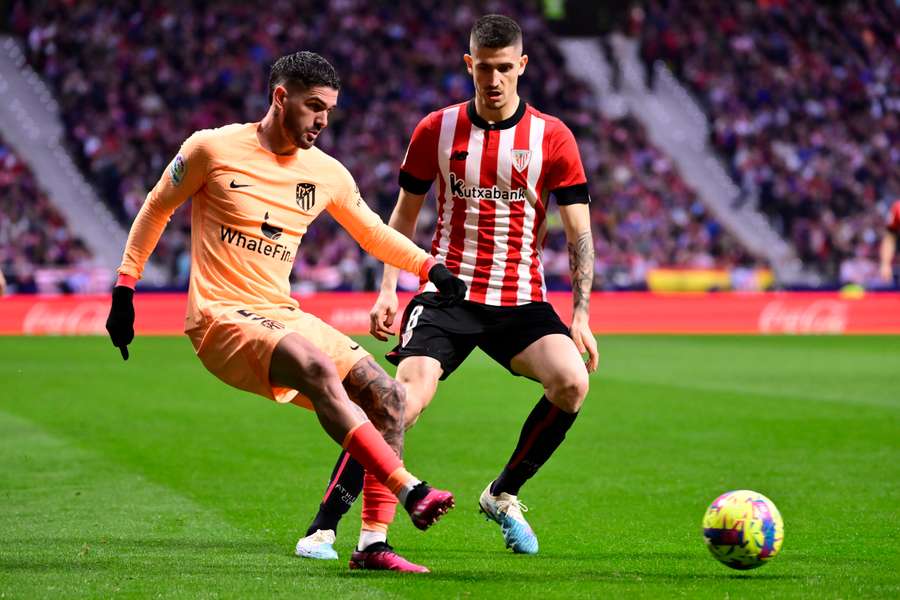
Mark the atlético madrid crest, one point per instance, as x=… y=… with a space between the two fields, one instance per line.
x=520 y=159
x=306 y=195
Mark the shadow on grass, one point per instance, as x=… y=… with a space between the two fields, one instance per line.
x=503 y=567
x=542 y=574
x=613 y=576
x=157 y=557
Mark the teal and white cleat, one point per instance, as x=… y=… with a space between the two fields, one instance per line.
x=319 y=545
x=507 y=511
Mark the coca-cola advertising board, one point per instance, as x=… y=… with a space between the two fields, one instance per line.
x=619 y=312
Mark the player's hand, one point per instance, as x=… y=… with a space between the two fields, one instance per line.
x=887 y=273
x=451 y=289
x=585 y=341
x=381 y=317
x=120 y=323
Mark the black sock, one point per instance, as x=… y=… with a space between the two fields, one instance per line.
x=378 y=547
x=344 y=486
x=418 y=492
x=543 y=432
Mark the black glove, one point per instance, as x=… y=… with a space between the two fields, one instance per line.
x=120 y=323
x=451 y=289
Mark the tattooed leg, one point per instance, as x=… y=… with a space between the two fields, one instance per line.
x=384 y=400
x=381 y=397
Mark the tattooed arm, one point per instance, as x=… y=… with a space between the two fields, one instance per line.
x=576 y=220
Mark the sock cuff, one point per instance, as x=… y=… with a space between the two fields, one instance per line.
x=397 y=480
x=548 y=407
x=376 y=526
x=350 y=434
x=366 y=445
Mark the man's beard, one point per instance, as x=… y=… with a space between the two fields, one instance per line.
x=295 y=134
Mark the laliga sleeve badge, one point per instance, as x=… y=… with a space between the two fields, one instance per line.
x=177 y=170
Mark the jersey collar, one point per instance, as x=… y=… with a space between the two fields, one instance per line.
x=477 y=121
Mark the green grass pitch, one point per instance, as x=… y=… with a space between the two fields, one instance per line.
x=152 y=478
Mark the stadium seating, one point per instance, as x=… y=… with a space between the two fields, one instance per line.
x=804 y=103
x=38 y=251
x=134 y=83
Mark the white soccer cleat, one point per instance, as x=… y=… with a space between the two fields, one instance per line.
x=506 y=510
x=319 y=545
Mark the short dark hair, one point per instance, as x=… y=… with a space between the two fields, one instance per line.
x=304 y=68
x=495 y=31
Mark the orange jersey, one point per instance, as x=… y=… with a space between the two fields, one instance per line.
x=249 y=213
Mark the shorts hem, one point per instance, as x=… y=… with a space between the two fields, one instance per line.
x=396 y=357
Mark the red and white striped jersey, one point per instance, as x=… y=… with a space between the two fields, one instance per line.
x=493 y=183
x=893 y=224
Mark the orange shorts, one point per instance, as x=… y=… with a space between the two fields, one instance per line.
x=237 y=347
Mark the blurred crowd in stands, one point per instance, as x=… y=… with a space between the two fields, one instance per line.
x=134 y=82
x=804 y=102
x=38 y=251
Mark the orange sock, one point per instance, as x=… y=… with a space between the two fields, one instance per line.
x=366 y=445
x=375 y=526
x=379 y=504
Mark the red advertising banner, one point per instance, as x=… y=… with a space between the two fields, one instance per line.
x=614 y=312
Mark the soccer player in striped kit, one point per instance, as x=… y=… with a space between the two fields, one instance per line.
x=889 y=244
x=496 y=161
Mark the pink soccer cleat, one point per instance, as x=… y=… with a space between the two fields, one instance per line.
x=432 y=507
x=381 y=557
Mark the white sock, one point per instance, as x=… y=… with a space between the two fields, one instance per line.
x=402 y=494
x=367 y=538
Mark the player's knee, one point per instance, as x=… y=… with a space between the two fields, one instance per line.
x=320 y=375
x=381 y=396
x=418 y=397
x=319 y=369
x=569 y=391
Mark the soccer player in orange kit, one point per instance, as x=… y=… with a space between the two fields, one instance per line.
x=256 y=187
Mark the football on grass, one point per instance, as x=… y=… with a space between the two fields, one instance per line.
x=743 y=529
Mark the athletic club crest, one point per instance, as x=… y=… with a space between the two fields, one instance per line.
x=520 y=159
x=306 y=195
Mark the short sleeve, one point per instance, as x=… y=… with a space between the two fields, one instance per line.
x=420 y=166
x=565 y=178
x=894 y=218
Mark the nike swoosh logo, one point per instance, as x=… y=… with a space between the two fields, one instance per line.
x=235 y=186
x=354 y=347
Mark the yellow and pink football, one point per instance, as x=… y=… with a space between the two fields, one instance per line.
x=743 y=529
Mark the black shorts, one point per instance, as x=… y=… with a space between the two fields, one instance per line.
x=450 y=333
